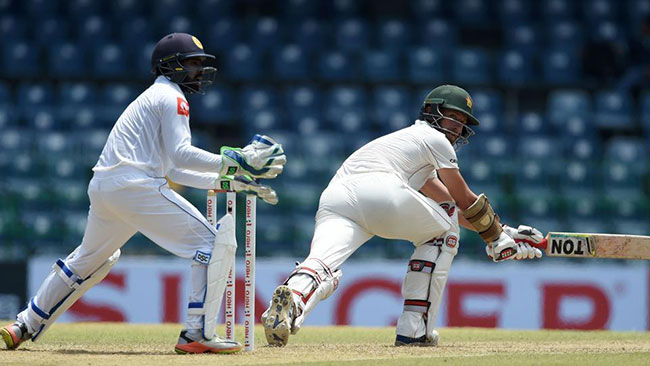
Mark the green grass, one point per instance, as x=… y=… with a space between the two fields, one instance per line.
x=143 y=345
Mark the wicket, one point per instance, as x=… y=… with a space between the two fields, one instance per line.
x=249 y=260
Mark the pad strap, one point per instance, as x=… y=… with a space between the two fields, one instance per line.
x=481 y=215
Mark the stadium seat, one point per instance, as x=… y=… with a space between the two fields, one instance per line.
x=622 y=179
x=471 y=65
x=20 y=60
x=134 y=32
x=222 y=35
x=343 y=9
x=473 y=12
x=74 y=225
x=511 y=11
x=42 y=227
x=52 y=30
x=25 y=165
x=336 y=66
x=565 y=34
x=115 y=98
x=254 y=99
x=299 y=9
x=381 y=66
x=351 y=35
x=628 y=150
x=516 y=68
x=341 y=102
x=81 y=9
x=535 y=175
x=34 y=98
x=265 y=34
x=165 y=10
x=490 y=146
x=565 y=104
x=487 y=100
x=77 y=104
x=66 y=168
x=423 y=10
x=109 y=61
x=645 y=111
x=609 y=31
x=425 y=65
x=630 y=226
x=308 y=33
x=37 y=9
x=70 y=194
x=598 y=10
x=16 y=140
x=483 y=175
x=291 y=62
x=438 y=33
x=243 y=63
x=636 y=10
x=94 y=31
x=558 y=9
x=391 y=108
x=125 y=8
x=560 y=66
x=182 y=24
x=278 y=233
x=394 y=34
x=53 y=144
x=539 y=147
x=7 y=117
x=533 y=123
x=91 y=143
x=66 y=60
x=521 y=36
x=591 y=225
x=12 y=28
x=613 y=110
x=142 y=59
x=215 y=107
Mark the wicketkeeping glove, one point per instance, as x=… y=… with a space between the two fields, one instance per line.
x=263 y=158
x=246 y=184
x=524 y=237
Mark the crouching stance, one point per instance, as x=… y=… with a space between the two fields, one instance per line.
x=129 y=193
x=377 y=191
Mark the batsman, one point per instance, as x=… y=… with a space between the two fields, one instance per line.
x=404 y=185
x=129 y=193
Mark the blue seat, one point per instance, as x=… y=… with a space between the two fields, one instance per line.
x=40 y=8
x=511 y=11
x=599 y=10
x=291 y=63
x=302 y=101
x=344 y=9
x=582 y=148
x=537 y=175
x=20 y=59
x=630 y=226
x=81 y=9
x=580 y=178
x=165 y=10
x=142 y=59
x=56 y=144
x=222 y=35
x=483 y=174
x=630 y=208
x=586 y=205
x=539 y=147
x=425 y=65
x=91 y=143
x=243 y=63
x=266 y=34
x=438 y=33
x=345 y=108
x=7 y=117
x=608 y=30
x=135 y=32
x=622 y=179
x=16 y=140
x=74 y=224
x=516 y=68
x=25 y=165
x=52 y=30
x=381 y=66
x=278 y=233
x=109 y=61
x=489 y=146
x=565 y=34
x=566 y=104
x=558 y=9
x=522 y=37
x=471 y=65
x=66 y=168
x=487 y=100
x=12 y=28
x=645 y=111
x=613 y=110
x=636 y=10
x=336 y=66
x=629 y=150
x=472 y=12
x=351 y=35
x=299 y=9
x=424 y=10
x=394 y=34
x=34 y=98
x=182 y=24
x=533 y=123
x=93 y=31
x=561 y=66
x=125 y=8
x=259 y=107
x=215 y=107
x=491 y=123
x=261 y=120
x=115 y=98
x=392 y=108
x=591 y=225
x=77 y=103
x=66 y=60
x=308 y=33
x=546 y=222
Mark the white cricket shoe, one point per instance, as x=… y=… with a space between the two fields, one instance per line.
x=423 y=341
x=278 y=318
x=192 y=341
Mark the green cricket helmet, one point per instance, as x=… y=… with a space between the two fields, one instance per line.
x=449 y=97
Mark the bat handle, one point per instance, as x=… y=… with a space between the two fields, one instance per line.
x=542 y=244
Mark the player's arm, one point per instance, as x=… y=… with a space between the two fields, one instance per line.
x=434 y=189
x=244 y=184
x=480 y=215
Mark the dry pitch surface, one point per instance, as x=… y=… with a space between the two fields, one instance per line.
x=143 y=345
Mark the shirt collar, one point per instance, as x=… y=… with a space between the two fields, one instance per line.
x=163 y=80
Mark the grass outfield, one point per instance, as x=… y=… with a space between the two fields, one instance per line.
x=142 y=345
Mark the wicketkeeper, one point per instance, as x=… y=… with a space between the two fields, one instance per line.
x=129 y=193
x=379 y=191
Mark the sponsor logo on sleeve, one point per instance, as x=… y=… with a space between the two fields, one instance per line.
x=182 y=107
x=451 y=241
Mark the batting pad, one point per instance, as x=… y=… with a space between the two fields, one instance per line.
x=79 y=288
x=222 y=259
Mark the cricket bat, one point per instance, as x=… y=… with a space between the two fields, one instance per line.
x=596 y=245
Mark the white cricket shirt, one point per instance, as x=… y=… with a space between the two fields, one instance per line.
x=413 y=153
x=153 y=136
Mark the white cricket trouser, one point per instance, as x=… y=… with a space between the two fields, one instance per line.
x=354 y=209
x=120 y=206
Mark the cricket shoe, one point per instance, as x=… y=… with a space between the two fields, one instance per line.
x=423 y=341
x=14 y=334
x=192 y=341
x=278 y=318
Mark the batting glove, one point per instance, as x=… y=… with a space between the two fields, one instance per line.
x=525 y=238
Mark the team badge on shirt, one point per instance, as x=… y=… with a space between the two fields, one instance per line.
x=183 y=108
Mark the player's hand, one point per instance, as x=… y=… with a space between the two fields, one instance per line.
x=263 y=158
x=246 y=184
x=524 y=238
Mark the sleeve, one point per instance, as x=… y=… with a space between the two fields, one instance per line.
x=177 y=139
x=443 y=154
x=193 y=179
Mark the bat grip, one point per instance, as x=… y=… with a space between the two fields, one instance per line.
x=541 y=245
